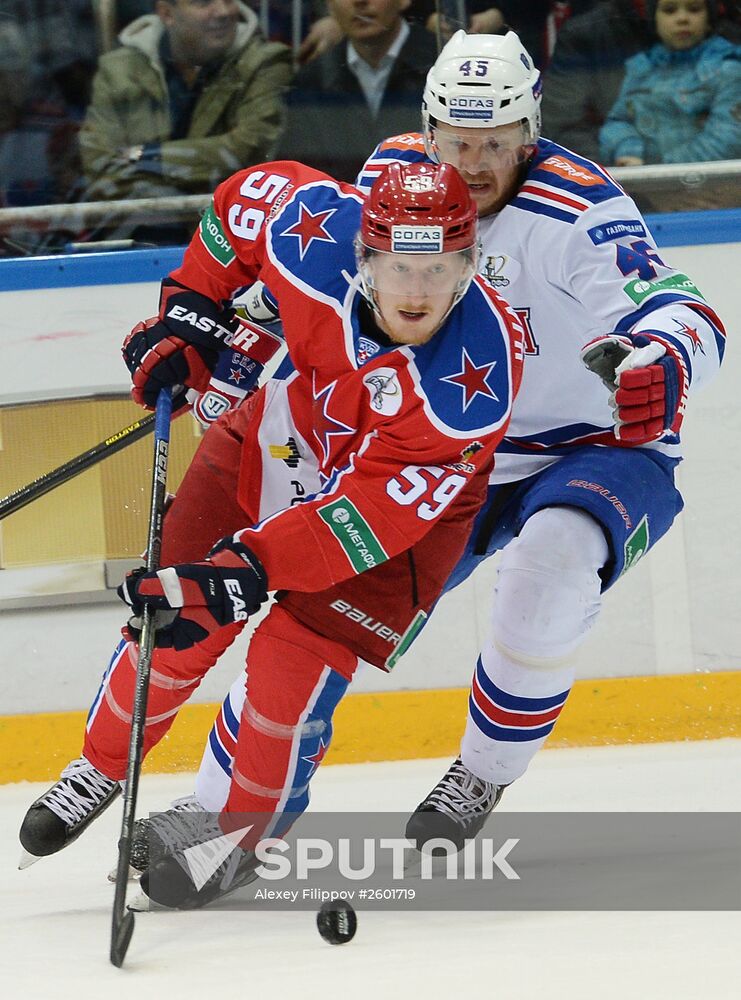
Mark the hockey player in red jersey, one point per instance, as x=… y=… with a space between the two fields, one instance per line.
x=583 y=486
x=406 y=366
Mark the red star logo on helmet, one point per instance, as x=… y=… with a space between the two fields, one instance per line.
x=692 y=335
x=316 y=758
x=473 y=380
x=310 y=227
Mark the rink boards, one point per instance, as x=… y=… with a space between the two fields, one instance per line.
x=663 y=663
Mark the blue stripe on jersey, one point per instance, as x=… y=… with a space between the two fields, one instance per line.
x=562 y=435
x=106 y=674
x=503 y=734
x=222 y=758
x=512 y=446
x=629 y=320
x=516 y=703
x=378 y=162
x=538 y=208
x=230 y=719
x=312 y=747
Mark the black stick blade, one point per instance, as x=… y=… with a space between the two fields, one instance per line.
x=120 y=938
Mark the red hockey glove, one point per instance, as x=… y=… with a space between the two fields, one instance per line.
x=647 y=381
x=180 y=347
x=204 y=596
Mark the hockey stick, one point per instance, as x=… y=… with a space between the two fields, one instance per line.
x=123 y=921
x=45 y=484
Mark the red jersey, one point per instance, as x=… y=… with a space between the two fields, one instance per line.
x=398 y=431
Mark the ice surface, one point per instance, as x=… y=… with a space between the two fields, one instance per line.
x=55 y=916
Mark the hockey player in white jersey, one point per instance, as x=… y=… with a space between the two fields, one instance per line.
x=584 y=481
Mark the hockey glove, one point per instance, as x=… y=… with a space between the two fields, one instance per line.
x=178 y=348
x=647 y=382
x=203 y=596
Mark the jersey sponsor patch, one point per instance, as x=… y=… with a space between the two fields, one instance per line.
x=354 y=534
x=637 y=544
x=287 y=453
x=410 y=139
x=639 y=290
x=571 y=171
x=616 y=230
x=416 y=239
x=385 y=392
x=215 y=240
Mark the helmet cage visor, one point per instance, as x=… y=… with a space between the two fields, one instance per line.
x=416 y=275
x=468 y=149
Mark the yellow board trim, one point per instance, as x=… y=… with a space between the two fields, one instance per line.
x=403 y=725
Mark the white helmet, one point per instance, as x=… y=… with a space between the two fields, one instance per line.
x=483 y=81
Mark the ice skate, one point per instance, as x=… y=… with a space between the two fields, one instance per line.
x=144 y=830
x=455 y=809
x=61 y=814
x=192 y=861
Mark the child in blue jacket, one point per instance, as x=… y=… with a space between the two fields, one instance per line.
x=681 y=100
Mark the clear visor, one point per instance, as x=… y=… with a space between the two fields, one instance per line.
x=417 y=275
x=480 y=149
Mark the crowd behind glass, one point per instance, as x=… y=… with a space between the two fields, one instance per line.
x=163 y=98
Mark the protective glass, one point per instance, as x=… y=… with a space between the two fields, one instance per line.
x=475 y=149
x=417 y=275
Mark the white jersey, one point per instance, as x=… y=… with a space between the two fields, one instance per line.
x=572 y=254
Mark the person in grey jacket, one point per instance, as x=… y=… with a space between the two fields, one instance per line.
x=193 y=94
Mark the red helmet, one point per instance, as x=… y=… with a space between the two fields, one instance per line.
x=419 y=208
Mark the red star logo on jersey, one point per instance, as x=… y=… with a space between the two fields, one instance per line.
x=310 y=227
x=325 y=425
x=236 y=375
x=316 y=758
x=473 y=380
x=692 y=335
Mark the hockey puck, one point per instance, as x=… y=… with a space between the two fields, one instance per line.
x=337 y=922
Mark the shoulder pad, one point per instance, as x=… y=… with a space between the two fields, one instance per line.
x=310 y=241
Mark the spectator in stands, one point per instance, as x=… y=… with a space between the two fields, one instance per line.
x=536 y=22
x=587 y=70
x=38 y=130
x=680 y=101
x=193 y=94
x=361 y=90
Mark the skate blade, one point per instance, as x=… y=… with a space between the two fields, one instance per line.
x=133 y=875
x=416 y=867
x=26 y=860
